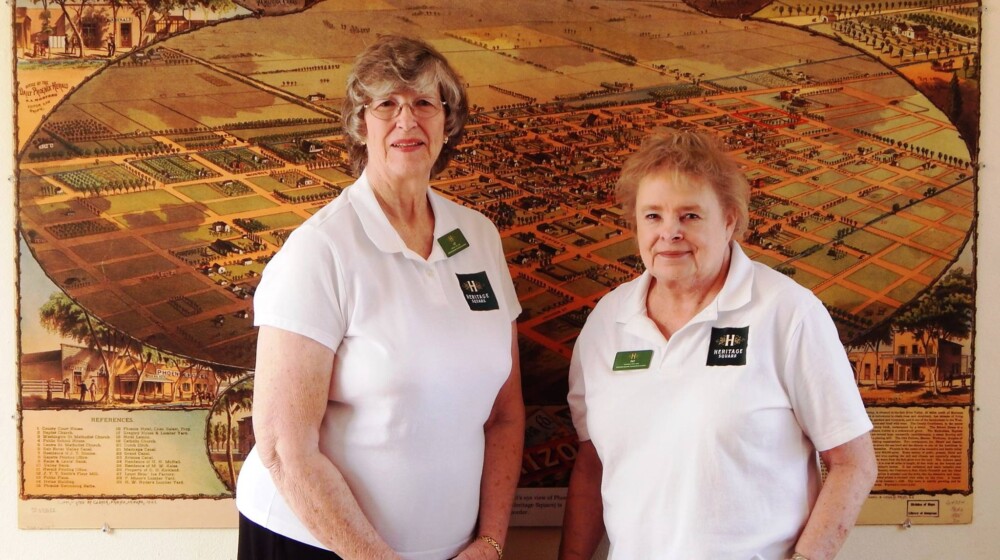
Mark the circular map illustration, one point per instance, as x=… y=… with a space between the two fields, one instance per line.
x=157 y=192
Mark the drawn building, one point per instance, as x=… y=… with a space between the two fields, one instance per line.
x=84 y=372
x=917 y=32
x=79 y=374
x=41 y=375
x=98 y=24
x=22 y=28
x=907 y=362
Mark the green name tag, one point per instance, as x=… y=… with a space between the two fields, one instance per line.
x=633 y=359
x=453 y=242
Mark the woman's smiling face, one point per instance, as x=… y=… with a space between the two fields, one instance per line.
x=682 y=230
x=404 y=146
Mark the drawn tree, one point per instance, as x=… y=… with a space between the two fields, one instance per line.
x=955 y=98
x=116 y=5
x=871 y=342
x=162 y=9
x=235 y=400
x=146 y=12
x=945 y=311
x=141 y=10
x=45 y=16
x=219 y=437
x=74 y=20
x=139 y=357
x=224 y=376
x=214 y=6
x=62 y=315
x=185 y=368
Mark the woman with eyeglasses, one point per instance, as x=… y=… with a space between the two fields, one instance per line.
x=387 y=397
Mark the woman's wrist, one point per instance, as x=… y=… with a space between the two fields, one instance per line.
x=493 y=542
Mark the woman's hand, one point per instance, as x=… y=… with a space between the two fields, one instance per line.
x=478 y=549
x=583 y=524
x=851 y=472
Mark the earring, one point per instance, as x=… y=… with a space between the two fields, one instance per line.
x=445 y=139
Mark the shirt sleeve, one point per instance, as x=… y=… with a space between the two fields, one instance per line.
x=578 y=390
x=820 y=382
x=506 y=282
x=301 y=289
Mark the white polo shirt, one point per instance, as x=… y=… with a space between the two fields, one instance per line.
x=422 y=350
x=709 y=440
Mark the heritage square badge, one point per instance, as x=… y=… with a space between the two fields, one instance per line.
x=632 y=359
x=728 y=346
x=477 y=290
x=453 y=242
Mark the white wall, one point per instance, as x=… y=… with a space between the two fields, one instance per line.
x=978 y=540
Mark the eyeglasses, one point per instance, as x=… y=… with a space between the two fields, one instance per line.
x=388 y=109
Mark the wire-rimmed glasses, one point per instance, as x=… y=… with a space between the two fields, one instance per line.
x=421 y=108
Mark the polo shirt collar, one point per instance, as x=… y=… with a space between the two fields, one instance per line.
x=632 y=314
x=735 y=293
x=380 y=231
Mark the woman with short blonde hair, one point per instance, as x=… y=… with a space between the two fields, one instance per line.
x=702 y=390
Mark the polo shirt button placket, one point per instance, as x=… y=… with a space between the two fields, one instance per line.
x=432 y=284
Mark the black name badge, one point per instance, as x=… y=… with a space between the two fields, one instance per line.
x=728 y=346
x=477 y=291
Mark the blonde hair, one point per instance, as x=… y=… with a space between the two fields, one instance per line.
x=692 y=155
x=391 y=64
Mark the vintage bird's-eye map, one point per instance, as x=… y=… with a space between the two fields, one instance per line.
x=165 y=151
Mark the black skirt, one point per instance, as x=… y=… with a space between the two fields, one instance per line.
x=260 y=543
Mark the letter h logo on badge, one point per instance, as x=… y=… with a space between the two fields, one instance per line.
x=728 y=346
x=477 y=291
x=729 y=340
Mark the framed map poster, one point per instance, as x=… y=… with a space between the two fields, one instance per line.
x=166 y=150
